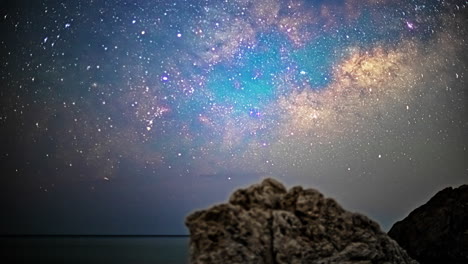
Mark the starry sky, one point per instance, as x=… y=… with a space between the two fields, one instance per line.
x=122 y=117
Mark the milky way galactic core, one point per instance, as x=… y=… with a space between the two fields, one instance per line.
x=193 y=96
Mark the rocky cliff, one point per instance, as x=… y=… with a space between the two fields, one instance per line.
x=266 y=223
x=437 y=232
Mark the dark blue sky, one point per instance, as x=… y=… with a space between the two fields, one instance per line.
x=121 y=117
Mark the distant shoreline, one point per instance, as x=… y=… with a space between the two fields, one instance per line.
x=77 y=235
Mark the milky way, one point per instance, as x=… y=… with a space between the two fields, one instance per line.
x=173 y=104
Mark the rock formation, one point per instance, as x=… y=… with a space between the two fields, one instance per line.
x=437 y=232
x=267 y=224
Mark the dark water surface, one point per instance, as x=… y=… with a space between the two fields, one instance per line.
x=132 y=250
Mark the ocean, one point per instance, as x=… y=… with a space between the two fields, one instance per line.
x=95 y=249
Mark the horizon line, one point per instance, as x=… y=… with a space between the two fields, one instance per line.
x=94 y=235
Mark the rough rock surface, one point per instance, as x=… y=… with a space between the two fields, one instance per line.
x=437 y=232
x=265 y=223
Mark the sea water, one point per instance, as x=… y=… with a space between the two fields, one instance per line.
x=131 y=250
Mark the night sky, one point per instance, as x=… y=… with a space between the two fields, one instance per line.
x=122 y=117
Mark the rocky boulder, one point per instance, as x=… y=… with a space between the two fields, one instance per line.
x=437 y=232
x=266 y=223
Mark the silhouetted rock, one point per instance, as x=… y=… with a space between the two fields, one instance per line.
x=265 y=223
x=437 y=232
